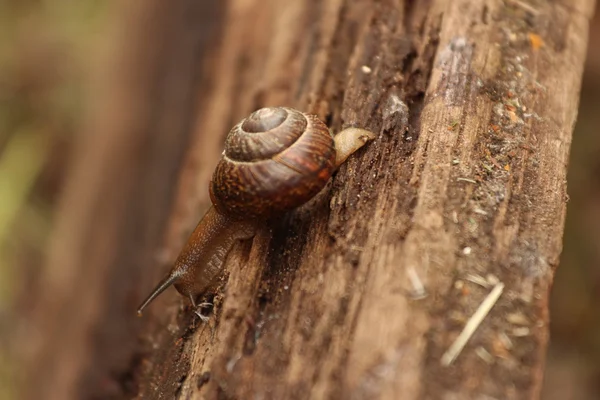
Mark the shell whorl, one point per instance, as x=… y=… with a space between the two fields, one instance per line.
x=274 y=160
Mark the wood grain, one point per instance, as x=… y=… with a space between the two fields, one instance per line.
x=474 y=105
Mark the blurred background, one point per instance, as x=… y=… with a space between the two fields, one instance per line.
x=47 y=49
x=47 y=56
x=573 y=365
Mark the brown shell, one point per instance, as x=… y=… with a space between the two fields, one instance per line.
x=275 y=160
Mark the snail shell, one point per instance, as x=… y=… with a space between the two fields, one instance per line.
x=275 y=160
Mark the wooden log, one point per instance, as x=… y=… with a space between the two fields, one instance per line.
x=361 y=292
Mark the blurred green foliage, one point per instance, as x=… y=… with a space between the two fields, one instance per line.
x=45 y=51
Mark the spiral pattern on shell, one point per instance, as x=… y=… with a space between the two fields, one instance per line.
x=275 y=160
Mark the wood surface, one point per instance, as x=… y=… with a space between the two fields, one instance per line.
x=463 y=190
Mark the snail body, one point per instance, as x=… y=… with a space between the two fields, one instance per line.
x=274 y=161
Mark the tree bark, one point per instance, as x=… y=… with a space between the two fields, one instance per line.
x=361 y=292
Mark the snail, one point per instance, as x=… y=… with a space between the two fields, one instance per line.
x=274 y=161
